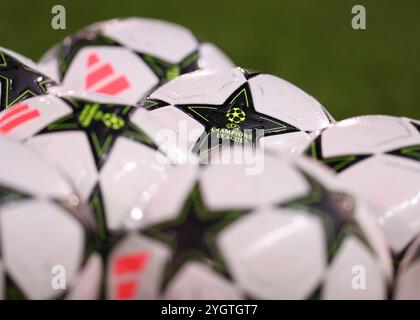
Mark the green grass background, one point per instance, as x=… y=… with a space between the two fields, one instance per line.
x=310 y=43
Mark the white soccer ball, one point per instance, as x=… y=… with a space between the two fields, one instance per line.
x=236 y=106
x=129 y=57
x=108 y=149
x=46 y=233
x=216 y=233
x=379 y=158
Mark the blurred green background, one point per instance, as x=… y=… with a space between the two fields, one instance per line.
x=310 y=43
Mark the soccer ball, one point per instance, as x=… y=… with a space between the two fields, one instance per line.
x=286 y=233
x=378 y=157
x=129 y=57
x=46 y=234
x=107 y=149
x=407 y=283
x=236 y=106
x=20 y=79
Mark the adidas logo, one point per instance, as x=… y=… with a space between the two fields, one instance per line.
x=15 y=116
x=102 y=78
x=127 y=269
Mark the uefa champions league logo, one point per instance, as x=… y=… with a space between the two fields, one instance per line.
x=236 y=115
x=92 y=112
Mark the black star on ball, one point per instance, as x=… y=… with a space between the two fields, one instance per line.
x=234 y=121
x=335 y=209
x=166 y=71
x=102 y=123
x=19 y=82
x=7 y=194
x=191 y=235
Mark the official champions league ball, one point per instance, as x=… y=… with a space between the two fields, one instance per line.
x=129 y=57
x=20 y=79
x=286 y=233
x=46 y=234
x=378 y=157
x=239 y=107
x=107 y=149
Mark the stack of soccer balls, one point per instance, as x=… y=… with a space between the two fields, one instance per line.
x=137 y=162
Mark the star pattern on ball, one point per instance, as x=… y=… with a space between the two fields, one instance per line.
x=335 y=209
x=19 y=82
x=411 y=152
x=339 y=163
x=167 y=71
x=8 y=194
x=191 y=235
x=102 y=123
x=234 y=121
x=416 y=125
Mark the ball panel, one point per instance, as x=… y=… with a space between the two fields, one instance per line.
x=293 y=142
x=26 y=119
x=131 y=170
x=174 y=190
x=33 y=235
x=368 y=135
x=113 y=71
x=175 y=42
x=89 y=280
x=48 y=63
x=354 y=274
x=408 y=286
x=262 y=243
x=135 y=268
x=390 y=193
x=180 y=129
x=201 y=87
x=280 y=99
x=407 y=283
x=377 y=240
x=250 y=191
x=33 y=180
x=172 y=151
x=70 y=150
x=197 y=281
x=211 y=57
